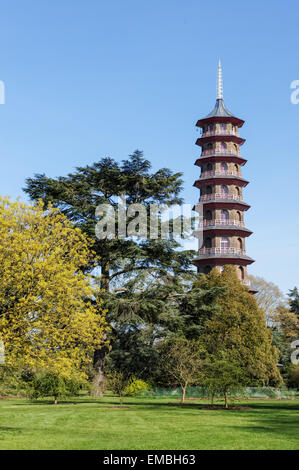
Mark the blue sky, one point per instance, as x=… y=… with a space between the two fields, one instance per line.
x=101 y=78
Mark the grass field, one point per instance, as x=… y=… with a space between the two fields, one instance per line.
x=147 y=423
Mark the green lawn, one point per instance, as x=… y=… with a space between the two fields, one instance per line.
x=148 y=423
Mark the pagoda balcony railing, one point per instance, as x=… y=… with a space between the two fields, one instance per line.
x=222 y=251
x=220 y=173
x=246 y=282
x=219 y=152
x=218 y=132
x=208 y=197
x=213 y=222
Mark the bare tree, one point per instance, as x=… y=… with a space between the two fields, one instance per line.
x=182 y=361
x=269 y=297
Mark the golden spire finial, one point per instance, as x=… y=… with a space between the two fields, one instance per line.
x=219 y=83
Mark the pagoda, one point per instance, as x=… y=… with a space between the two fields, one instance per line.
x=221 y=186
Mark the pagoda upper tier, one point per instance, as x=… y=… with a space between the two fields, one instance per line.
x=220 y=114
x=220 y=126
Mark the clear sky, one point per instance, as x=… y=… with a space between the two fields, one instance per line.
x=87 y=79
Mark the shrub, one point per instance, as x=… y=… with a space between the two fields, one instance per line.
x=50 y=384
x=125 y=385
x=136 y=387
x=294 y=377
x=14 y=381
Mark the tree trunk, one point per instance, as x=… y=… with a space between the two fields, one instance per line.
x=184 y=388
x=226 y=399
x=98 y=383
x=212 y=398
x=55 y=400
x=105 y=276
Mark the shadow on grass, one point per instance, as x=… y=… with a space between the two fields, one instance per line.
x=104 y=403
x=7 y=428
x=278 y=406
x=4 y=430
x=271 y=426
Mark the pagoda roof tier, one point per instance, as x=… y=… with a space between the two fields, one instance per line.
x=229 y=158
x=220 y=138
x=227 y=231
x=228 y=204
x=220 y=113
x=217 y=259
x=218 y=179
x=209 y=120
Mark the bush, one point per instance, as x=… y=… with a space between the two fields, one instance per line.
x=117 y=382
x=136 y=387
x=49 y=384
x=15 y=382
x=125 y=385
x=294 y=377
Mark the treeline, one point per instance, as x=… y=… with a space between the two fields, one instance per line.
x=124 y=313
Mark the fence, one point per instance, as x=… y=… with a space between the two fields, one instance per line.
x=241 y=393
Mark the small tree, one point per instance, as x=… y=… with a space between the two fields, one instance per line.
x=50 y=384
x=118 y=382
x=124 y=385
x=182 y=360
x=222 y=373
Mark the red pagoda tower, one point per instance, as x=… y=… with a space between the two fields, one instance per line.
x=221 y=191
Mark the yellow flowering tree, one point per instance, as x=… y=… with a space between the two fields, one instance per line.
x=50 y=313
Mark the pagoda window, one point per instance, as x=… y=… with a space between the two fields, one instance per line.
x=207 y=269
x=241 y=273
x=223 y=146
x=224 y=216
x=209 y=167
x=238 y=192
x=209 y=190
x=237 y=169
x=224 y=190
x=239 y=216
x=240 y=244
x=222 y=126
x=208 y=242
x=224 y=244
x=223 y=167
x=208 y=215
